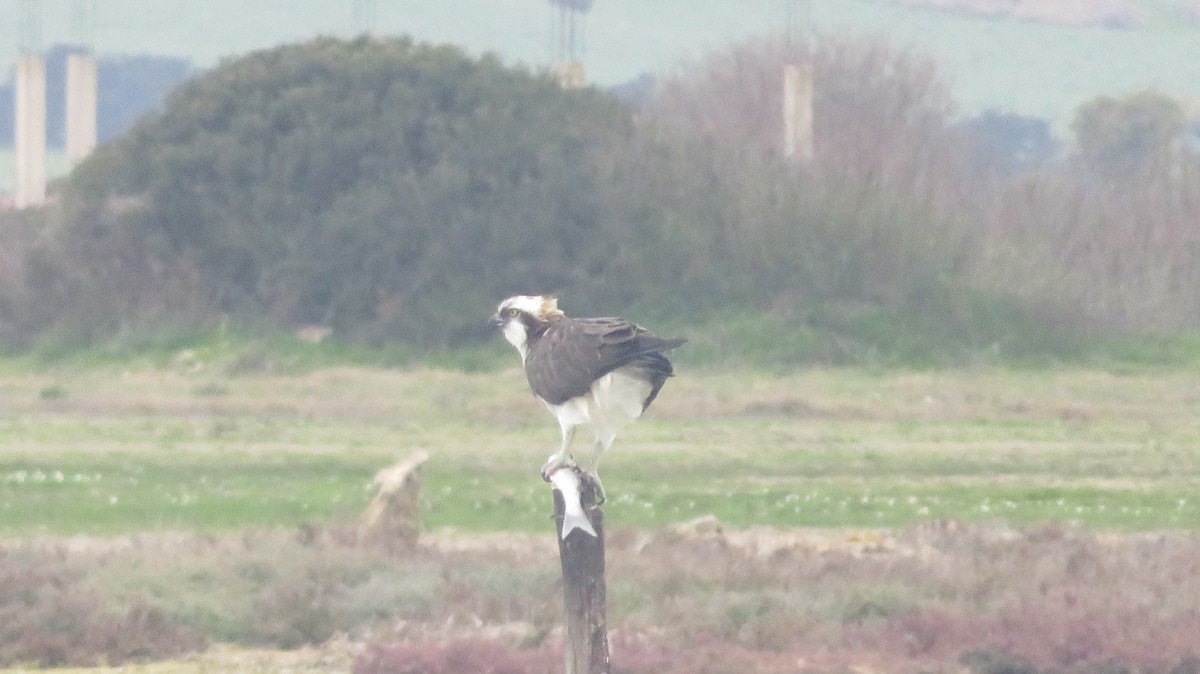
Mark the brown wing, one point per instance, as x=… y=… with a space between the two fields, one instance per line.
x=574 y=352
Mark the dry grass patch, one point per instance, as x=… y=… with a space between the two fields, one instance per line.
x=916 y=599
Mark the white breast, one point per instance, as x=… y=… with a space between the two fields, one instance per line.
x=619 y=395
x=613 y=401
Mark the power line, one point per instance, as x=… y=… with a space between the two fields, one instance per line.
x=363 y=15
x=29 y=27
x=798 y=23
x=83 y=24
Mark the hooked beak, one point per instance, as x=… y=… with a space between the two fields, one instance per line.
x=496 y=321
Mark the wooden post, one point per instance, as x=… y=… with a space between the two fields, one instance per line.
x=393 y=517
x=579 y=523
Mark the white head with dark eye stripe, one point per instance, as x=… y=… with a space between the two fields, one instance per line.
x=520 y=315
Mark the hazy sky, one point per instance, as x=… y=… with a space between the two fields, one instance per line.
x=1028 y=68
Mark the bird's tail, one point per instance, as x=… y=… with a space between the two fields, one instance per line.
x=573 y=521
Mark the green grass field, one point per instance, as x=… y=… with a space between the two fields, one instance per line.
x=212 y=491
x=99 y=450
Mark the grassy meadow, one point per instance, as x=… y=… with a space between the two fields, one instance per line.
x=186 y=444
x=194 y=511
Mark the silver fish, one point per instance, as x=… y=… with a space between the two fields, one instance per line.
x=567 y=484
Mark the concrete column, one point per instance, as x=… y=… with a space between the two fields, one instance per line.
x=81 y=106
x=570 y=74
x=798 y=113
x=30 y=131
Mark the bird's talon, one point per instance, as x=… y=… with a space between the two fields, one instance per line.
x=554 y=464
x=593 y=481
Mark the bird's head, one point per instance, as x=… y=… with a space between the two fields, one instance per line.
x=520 y=315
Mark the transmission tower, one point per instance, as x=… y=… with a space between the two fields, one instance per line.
x=83 y=25
x=29 y=27
x=363 y=15
x=798 y=84
x=797 y=24
x=567 y=40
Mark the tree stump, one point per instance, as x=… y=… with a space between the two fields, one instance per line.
x=579 y=523
x=393 y=517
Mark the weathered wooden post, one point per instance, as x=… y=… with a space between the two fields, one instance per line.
x=579 y=523
x=393 y=517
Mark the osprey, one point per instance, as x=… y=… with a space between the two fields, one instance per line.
x=603 y=372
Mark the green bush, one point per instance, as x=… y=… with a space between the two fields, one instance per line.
x=395 y=191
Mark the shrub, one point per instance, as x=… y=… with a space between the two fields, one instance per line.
x=48 y=618
x=393 y=191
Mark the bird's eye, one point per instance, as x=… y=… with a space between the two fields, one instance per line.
x=513 y=312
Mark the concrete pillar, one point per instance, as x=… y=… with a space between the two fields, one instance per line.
x=30 y=131
x=81 y=106
x=798 y=113
x=570 y=74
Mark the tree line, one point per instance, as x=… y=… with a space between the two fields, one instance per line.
x=394 y=190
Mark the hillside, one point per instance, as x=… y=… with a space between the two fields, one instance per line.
x=1119 y=14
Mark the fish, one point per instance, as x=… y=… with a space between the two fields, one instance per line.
x=568 y=484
